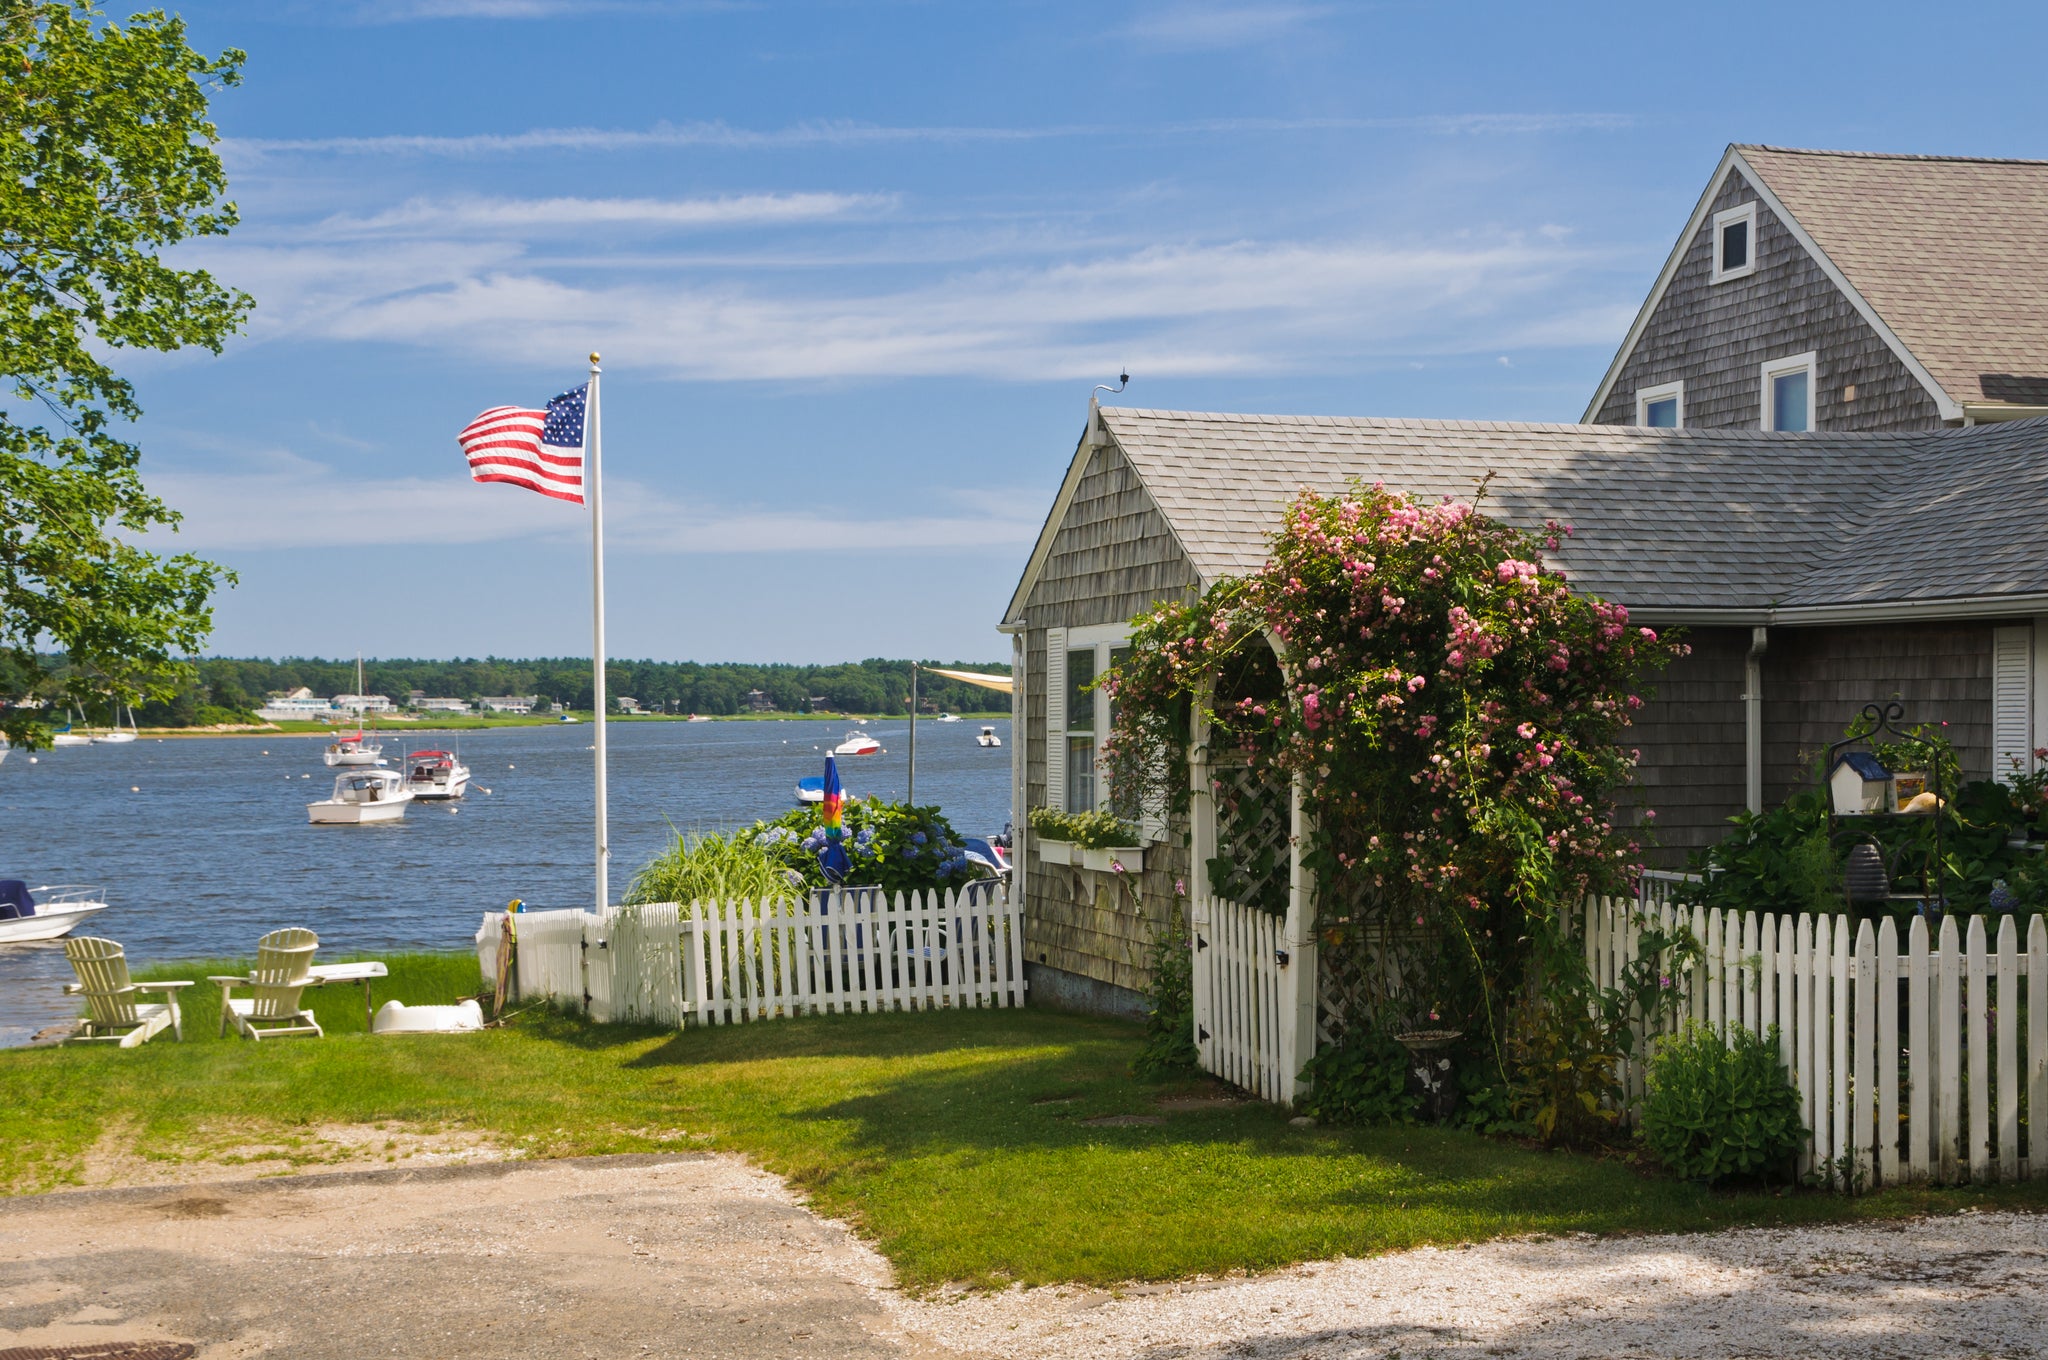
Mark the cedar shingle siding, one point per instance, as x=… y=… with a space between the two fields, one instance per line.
x=1716 y=337
x=1691 y=735
x=1113 y=557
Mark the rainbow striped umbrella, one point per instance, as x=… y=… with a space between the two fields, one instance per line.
x=832 y=856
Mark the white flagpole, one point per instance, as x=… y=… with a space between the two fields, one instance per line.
x=595 y=444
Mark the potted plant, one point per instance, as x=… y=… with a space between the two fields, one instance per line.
x=1093 y=840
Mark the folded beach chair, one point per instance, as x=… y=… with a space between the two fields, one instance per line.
x=284 y=962
x=112 y=1012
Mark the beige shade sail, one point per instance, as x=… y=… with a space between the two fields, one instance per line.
x=1002 y=684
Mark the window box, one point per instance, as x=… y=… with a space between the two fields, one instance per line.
x=1104 y=861
x=1056 y=852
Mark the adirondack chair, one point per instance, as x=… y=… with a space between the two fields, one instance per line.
x=284 y=962
x=113 y=1015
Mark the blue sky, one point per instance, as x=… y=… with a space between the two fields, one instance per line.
x=855 y=266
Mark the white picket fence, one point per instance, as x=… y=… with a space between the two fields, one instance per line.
x=1910 y=1062
x=724 y=962
x=1246 y=1029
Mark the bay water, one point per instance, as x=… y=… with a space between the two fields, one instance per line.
x=202 y=843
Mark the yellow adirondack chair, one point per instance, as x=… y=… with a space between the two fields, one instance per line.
x=284 y=962
x=113 y=1015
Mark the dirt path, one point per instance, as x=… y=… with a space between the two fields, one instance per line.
x=700 y=1255
x=615 y=1257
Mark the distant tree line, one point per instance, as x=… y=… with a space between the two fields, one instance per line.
x=223 y=686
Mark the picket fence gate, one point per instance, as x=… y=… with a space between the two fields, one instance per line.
x=1911 y=1064
x=1247 y=1021
x=725 y=962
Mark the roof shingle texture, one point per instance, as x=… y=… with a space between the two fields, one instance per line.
x=1951 y=252
x=1674 y=519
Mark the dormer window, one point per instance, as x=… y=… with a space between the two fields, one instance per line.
x=1735 y=243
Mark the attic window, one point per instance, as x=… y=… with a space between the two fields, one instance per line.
x=1787 y=392
x=1662 y=406
x=1735 y=243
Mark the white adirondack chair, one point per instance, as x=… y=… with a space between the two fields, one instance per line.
x=284 y=962
x=113 y=1015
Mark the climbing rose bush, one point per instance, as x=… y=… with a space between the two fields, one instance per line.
x=1458 y=715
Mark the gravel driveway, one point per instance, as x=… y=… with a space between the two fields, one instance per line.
x=701 y=1255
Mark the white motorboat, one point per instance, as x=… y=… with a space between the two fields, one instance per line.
x=353 y=748
x=362 y=796
x=436 y=775
x=858 y=743
x=697 y=717
x=46 y=913
x=947 y=717
x=988 y=737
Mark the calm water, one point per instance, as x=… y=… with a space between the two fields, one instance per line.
x=202 y=844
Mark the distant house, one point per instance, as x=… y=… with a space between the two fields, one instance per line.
x=508 y=703
x=363 y=703
x=431 y=705
x=759 y=702
x=1821 y=290
x=298 y=706
x=627 y=704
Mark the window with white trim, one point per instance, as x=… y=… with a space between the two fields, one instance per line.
x=1661 y=407
x=1077 y=716
x=1787 y=388
x=1735 y=242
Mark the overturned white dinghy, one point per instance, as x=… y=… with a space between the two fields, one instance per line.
x=395 y=1017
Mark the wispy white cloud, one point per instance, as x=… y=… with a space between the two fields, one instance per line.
x=528 y=217
x=280 y=499
x=725 y=136
x=1212 y=26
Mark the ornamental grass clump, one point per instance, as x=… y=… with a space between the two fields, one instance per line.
x=1457 y=717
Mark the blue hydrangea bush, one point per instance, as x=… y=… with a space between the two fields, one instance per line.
x=893 y=846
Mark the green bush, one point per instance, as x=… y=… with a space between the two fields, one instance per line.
x=1089 y=830
x=1363 y=1080
x=1169 y=1047
x=1717 y=1109
x=711 y=868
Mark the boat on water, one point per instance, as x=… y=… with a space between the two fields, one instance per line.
x=568 y=718
x=947 y=717
x=811 y=789
x=354 y=748
x=5 y=747
x=858 y=743
x=117 y=735
x=435 y=775
x=697 y=717
x=45 y=913
x=64 y=736
x=362 y=796
x=988 y=737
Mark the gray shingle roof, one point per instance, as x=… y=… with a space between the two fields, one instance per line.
x=1672 y=519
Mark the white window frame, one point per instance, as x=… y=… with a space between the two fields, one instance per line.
x=1745 y=212
x=1671 y=391
x=1103 y=639
x=1772 y=369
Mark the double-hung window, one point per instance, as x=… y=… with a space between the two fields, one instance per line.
x=1078 y=715
x=1661 y=407
x=1786 y=392
x=1734 y=243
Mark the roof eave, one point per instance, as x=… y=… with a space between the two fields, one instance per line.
x=1823 y=615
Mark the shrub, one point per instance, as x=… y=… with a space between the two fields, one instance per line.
x=893 y=846
x=1089 y=830
x=710 y=868
x=1718 y=1109
x=1362 y=1080
x=1169 y=1047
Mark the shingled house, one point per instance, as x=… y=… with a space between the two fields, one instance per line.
x=1885 y=545
x=1821 y=290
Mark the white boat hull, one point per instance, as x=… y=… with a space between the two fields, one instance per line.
x=334 y=812
x=70 y=739
x=431 y=792
x=49 y=923
x=368 y=756
x=990 y=741
x=113 y=738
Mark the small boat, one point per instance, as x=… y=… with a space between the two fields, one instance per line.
x=64 y=736
x=118 y=734
x=988 y=737
x=44 y=913
x=947 y=717
x=858 y=743
x=435 y=774
x=353 y=748
x=362 y=796
x=811 y=789
x=698 y=717
x=567 y=718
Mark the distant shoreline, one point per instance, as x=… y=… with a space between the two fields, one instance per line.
x=478 y=723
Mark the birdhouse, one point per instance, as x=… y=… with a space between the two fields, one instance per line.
x=1859 y=785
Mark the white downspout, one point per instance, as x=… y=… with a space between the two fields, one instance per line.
x=1753 y=718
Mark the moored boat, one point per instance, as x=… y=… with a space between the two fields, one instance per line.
x=45 y=913
x=857 y=743
x=353 y=748
x=362 y=796
x=118 y=734
x=435 y=774
x=810 y=789
x=988 y=737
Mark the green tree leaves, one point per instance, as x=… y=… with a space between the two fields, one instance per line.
x=106 y=159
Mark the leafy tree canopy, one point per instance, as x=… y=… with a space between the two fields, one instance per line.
x=106 y=159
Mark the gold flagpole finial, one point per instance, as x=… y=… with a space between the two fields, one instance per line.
x=593 y=356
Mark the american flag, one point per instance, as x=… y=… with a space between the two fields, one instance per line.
x=539 y=450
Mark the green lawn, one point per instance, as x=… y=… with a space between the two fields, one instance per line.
x=957 y=1142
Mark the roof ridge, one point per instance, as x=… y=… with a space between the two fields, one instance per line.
x=1576 y=429
x=1887 y=155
